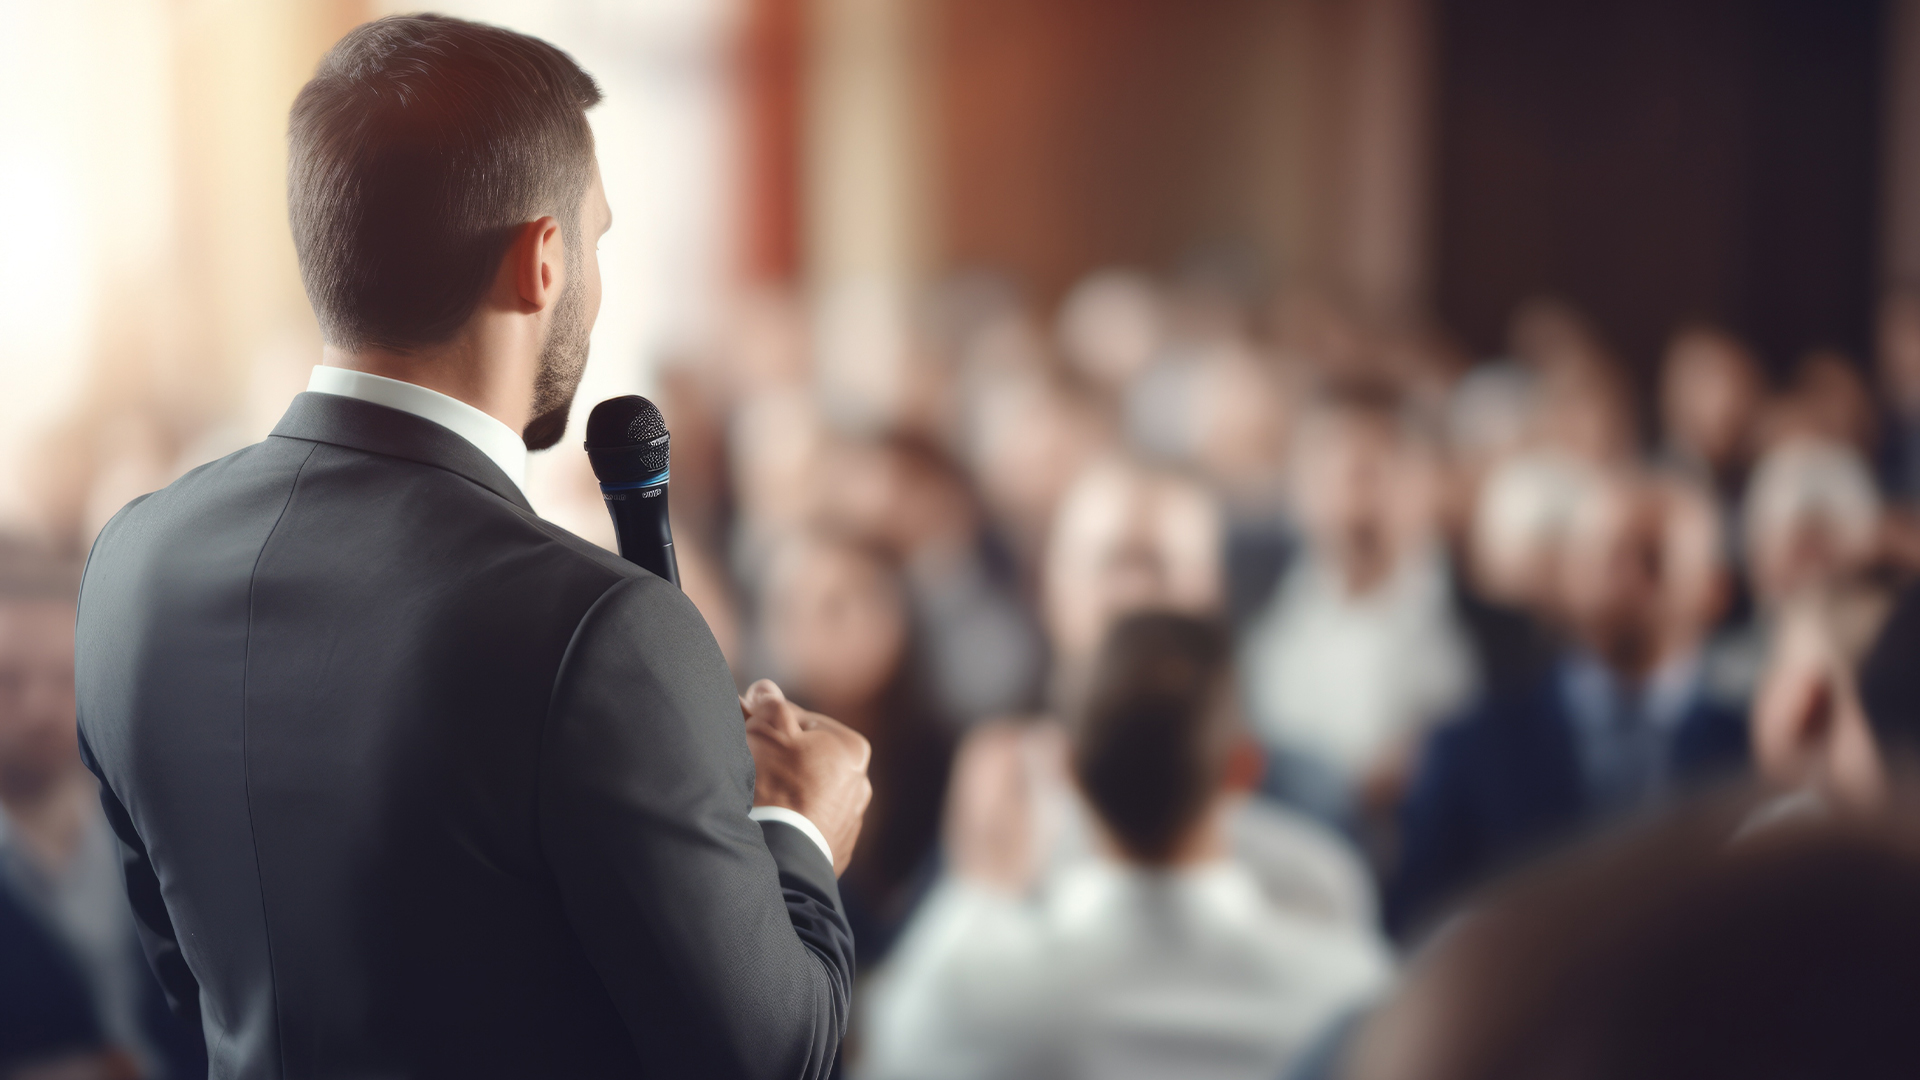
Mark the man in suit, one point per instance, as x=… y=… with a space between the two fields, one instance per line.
x=411 y=782
x=1622 y=718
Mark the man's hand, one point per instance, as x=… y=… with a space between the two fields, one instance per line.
x=809 y=763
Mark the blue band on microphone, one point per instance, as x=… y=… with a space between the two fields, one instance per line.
x=657 y=478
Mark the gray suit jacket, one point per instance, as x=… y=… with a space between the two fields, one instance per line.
x=412 y=783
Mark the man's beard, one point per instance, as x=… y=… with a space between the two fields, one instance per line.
x=562 y=361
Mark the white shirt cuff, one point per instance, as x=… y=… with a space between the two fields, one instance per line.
x=796 y=819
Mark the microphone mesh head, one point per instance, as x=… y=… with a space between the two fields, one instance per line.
x=630 y=421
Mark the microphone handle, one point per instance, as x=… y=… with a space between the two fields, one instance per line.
x=640 y=524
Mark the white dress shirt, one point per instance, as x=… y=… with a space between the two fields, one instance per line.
x=1118 y=972
x=505 y=448
x=502 y=445
x=1337 y=677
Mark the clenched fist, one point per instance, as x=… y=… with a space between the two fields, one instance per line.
x=808 y=763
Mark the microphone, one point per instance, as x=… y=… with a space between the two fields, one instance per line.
x=627 y=446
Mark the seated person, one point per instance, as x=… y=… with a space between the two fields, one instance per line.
x=1697 y=948
x=76 y=996
x=1162 y=957
x=1360 y=648
x=1621 y=719
x=1130 y=538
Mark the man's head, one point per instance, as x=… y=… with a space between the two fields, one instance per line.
x=1362 y=483
x=1159 y=735
x=1710 y=388
x=37 y=744
x=1613 y=575
x=427 y=158
x=1127 y=538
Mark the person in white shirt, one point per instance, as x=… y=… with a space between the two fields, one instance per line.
x=1360 y=647
x=1162 y=957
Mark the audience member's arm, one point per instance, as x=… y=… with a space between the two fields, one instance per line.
x=150 y=916
x=948 y=1003
x=724 y=959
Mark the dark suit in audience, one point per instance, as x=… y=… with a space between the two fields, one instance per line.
x=1523 y=770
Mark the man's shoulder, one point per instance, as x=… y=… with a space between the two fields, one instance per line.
x=334 y=493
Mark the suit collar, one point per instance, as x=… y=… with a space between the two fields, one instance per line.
x=377 y=429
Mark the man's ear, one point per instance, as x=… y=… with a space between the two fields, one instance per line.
x=536 y=265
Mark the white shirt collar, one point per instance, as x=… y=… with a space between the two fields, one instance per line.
x=499 y=442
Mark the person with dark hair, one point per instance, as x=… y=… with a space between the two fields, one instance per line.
x=1163 y=957
x=76 y=996
x=1360 y=649
x=409 y=781
x=1700 y=947
x=839 y=636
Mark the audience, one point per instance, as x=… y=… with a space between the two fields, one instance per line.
x=1472 y=618
x=1159 y=959
x=76 y=997
x=1620 y=719
x=1359 y=649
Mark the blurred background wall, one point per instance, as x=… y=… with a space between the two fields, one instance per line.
x=1427 y=164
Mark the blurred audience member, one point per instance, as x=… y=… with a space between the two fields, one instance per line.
x=984 y=652
x=838 y=635
x=1111 y=326
x=1827 y=400
x=1131 y=539
x=1360 y=648
x=1621 y=719
x=776 y=440
x=1702 y=948
x=1160 y=959
x=1710 y=395
x=1030 y=434
x=76 y=997
x=1126 y=538
x=1812 y=519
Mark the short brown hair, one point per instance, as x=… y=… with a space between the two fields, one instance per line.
x=1150 y=750
x=413 y=152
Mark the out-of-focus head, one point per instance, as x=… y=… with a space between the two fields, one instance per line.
x=1899 y=351
x=1521 y=521
x=1696 y=581
x=1710 y=389
x=1584 y=409
x=1612 y=582
x=1827 y=400
x=1363 y=484
x=1678 y=953
x=415 y=153
x=1031 y=434
x=836 y=624
x=1128 y=538
x=1153 y=743
x=37 y=604
x=1111 y=325
x=1551 y=334
x=1812 y=518
x=903 y=492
